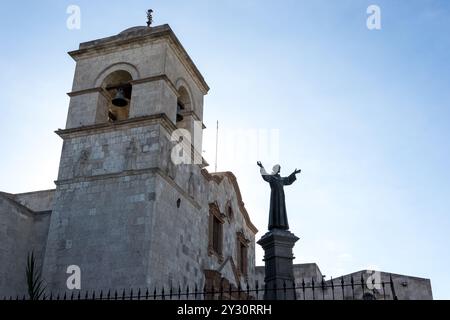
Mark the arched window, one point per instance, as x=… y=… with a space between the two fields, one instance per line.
x=118 y=89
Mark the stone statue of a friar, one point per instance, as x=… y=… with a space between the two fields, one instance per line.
x=278 y=242
x=277 y=214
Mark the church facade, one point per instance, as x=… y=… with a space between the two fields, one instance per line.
x=123 y=211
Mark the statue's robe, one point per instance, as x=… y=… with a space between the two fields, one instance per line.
x=277 y=214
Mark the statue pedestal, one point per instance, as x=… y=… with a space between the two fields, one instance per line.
x=278 y=258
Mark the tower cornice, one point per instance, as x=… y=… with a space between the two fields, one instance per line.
x=107 y=126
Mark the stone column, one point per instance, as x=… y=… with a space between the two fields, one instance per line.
x=278 y=258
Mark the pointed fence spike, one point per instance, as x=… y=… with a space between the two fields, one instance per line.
x=323 y=288
x=265 y=291
x=352 y=282
x=239 y=291
x=332 y=286
x=257 y=289
x=362 y=285
x=303 y=288
x=295 y=290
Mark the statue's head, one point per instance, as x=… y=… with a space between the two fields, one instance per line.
x=276 y=169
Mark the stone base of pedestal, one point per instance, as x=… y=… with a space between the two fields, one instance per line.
x=278 y=258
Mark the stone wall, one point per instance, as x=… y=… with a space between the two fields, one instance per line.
x=37 y=201
x=179 y=245
x=405 y=287
x=104 y=204
x=103 y=226
x=110 y=151
x=21 y=232
x=15 y=227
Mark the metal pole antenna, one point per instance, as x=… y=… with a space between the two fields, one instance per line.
x=217 y=144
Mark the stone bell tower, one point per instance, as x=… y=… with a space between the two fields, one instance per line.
x=116 y=181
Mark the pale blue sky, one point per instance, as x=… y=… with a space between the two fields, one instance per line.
x=365 y=114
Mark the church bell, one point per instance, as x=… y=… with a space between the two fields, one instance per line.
x=120 y=100
x=179 y=115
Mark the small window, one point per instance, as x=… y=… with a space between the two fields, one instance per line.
x=215 y=232
x=242 y=253
x=230 y=213
x=243 y=259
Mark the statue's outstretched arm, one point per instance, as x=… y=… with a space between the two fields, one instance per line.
x=262 y=170
x=291 y=178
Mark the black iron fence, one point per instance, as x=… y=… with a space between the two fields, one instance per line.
x=334 y=289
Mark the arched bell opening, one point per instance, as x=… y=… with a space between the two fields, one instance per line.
x=183 y=106
x=118 y=89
